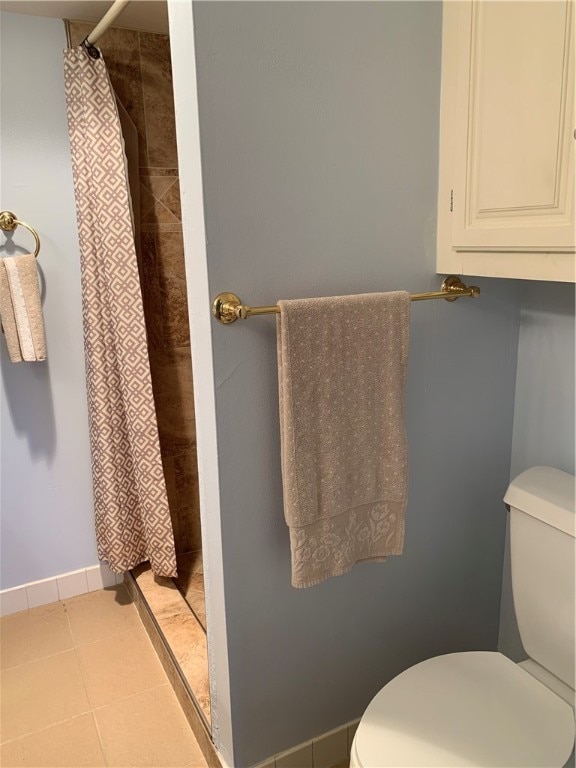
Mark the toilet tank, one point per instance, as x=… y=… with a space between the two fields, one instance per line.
x=542 y=543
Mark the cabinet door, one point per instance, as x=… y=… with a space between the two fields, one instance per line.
x=514 y=127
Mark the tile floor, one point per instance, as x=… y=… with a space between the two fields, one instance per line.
x=82 y=686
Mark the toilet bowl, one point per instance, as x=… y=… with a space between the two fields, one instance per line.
x=478 y=708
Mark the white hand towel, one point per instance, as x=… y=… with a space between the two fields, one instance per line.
x=21 y=308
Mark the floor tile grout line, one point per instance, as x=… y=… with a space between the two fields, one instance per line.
x=100 y=740
x=132 y=696
x=88 y=698
x=107 y=637
x=34 y=661
x=121 y=698
x=74 y=645
x=94 y=708
x=46 y=727
x=91 y=709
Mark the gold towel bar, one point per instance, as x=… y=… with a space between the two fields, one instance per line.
x=227 y=307
x=9 y=222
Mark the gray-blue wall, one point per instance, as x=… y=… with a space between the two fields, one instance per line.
x=543 y=408
x=319 y=133
x=544 y=403
x=47 y=522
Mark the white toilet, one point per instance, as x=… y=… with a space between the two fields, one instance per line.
x=479 y=708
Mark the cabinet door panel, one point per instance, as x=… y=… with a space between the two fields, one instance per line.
x=514 y=186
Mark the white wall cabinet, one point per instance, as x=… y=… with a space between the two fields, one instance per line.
x=507 y=135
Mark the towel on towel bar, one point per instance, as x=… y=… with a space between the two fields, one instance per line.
x=21 y=308
x=342 y=369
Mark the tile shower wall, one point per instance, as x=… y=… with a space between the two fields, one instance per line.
x=140 y=72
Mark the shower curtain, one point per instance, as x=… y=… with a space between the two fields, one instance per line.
x=131 y=507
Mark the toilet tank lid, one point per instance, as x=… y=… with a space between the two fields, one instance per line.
x=547 y=494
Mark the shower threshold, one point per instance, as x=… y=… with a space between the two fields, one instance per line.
x=179 y=636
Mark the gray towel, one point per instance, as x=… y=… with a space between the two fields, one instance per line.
x=342 y=370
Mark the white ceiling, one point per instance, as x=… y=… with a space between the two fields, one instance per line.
x=145 y=15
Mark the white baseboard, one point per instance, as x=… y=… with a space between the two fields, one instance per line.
x=60 y=587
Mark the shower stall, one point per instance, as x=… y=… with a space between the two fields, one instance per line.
x=139 y=68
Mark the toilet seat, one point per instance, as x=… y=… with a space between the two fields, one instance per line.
x=464 y=709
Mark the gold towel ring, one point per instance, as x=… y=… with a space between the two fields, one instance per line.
x=9 y=222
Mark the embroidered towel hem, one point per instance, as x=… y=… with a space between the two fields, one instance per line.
x=342 y=370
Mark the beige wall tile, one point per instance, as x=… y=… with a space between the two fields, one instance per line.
x=121 y=51
x=189 y=575
x=148 y=729
x=147 y=201
x=159 y=214
x=151 y=297
x=186 y=516
x=172 y=281
x=196 y=600
x=157 y=171
x=186 y=475
x=78 y=31
x=195 y=582
x=101 y=614
x=331 y=749
x=158 y=99
x=119 y=666
x=172 y=382
x=34 y=634
x=40 y=694
x=187 y=528
x=299 y=758
x=173 y=227
x=158 y=186
x=190 y=582
x=191 y=562
x=72 y=744
x=171 y=199
x=170 y=480
x=170 y=250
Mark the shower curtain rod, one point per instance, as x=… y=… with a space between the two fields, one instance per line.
x=107 y=20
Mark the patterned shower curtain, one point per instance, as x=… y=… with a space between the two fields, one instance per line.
x=131 y=507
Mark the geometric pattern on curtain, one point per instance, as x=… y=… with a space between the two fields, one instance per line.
x=130 y=503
